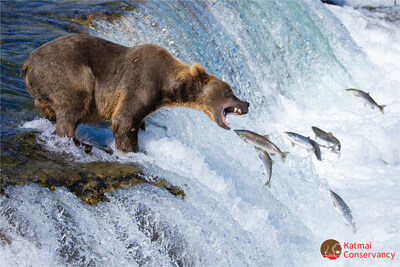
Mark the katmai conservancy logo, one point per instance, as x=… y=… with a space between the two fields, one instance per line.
x=331 y=249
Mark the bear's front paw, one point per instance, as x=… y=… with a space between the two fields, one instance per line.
x=126 y=145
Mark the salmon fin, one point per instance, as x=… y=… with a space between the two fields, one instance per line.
x=283 y=158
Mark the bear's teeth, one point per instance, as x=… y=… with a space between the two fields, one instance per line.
x=237 y=111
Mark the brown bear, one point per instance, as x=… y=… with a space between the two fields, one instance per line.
x=84 y=79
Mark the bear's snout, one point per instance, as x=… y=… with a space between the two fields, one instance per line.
x=233 y=107
x=246 y=109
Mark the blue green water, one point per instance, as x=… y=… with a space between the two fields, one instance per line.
x=25 y=25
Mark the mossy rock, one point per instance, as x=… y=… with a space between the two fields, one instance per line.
x=23 y=160
x=109 y=11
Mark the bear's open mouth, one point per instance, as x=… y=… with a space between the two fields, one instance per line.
x=229 y=111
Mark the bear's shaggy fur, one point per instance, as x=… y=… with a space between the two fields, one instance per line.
x=84 y=79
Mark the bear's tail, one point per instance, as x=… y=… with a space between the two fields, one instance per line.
x=24 y=71
x=24 y=67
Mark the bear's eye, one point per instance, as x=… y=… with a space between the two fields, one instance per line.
x=227 y=91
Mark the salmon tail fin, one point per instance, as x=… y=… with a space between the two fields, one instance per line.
x=335 y=149
x=382 y=108
x=284 y=154
x=267 y=184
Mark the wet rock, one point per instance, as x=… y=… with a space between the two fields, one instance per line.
x=109 y=11
x=23 y=161
x=5 y=239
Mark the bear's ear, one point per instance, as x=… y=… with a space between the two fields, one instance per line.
x=198 y=73
x=194 y=73
x=196 y=70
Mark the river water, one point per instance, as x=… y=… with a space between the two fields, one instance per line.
x=292 y=60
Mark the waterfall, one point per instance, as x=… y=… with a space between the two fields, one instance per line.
x=292 y=61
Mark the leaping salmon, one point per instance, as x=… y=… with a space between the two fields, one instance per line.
x=343 y=210
x=267 y=164
x=329 y=138
x=367 y=98
x=261 y=142
x=304 y=142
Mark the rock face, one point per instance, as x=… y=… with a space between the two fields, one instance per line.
x=23 y=161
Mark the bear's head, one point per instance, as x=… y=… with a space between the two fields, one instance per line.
x=215 y=97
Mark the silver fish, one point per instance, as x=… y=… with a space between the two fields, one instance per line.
x=367 y=98
x=327 y=137
x=304 y=142
x=261 y=142
x=300 y=140
x=343 y=210
x=267 y=164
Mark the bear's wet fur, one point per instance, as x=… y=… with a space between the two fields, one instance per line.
x=84 y=79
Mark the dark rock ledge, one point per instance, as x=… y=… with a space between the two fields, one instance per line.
x=23 y=161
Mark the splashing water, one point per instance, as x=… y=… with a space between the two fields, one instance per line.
x=292 y=60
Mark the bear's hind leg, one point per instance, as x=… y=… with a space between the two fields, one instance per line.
x=66 y=126
x=47 y=109
x=70 y=114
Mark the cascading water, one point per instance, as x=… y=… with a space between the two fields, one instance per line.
x=292 y=61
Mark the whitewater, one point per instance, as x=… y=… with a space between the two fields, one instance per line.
x=292 y=61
